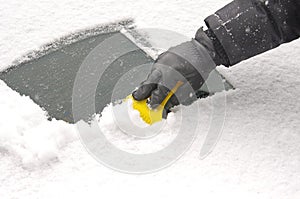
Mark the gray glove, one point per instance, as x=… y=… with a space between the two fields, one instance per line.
x=190 y=62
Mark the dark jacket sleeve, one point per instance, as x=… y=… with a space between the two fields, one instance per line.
x=245 y=28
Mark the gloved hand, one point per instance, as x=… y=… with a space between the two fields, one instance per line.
x=190 y=62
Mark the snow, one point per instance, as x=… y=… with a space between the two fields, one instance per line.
x=134 y=115
x=27 y=26
x=160 y=134
x=26 y=132
x=257 y=155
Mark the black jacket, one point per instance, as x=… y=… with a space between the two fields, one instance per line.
x=245 y=28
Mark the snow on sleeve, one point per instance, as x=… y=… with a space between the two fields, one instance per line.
x=25 y=131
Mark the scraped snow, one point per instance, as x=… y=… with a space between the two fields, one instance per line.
x=256 y=157
x=124 y=132
x=135 y=115
x=26 y=133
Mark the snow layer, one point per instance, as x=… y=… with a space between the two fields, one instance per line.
x=121 y=131
x=256 y=157
x=26 y=133
x=27 y=26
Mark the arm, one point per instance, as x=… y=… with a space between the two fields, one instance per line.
x=238 y=31
x=245 y=28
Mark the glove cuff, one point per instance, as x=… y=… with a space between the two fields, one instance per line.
x=208 y=39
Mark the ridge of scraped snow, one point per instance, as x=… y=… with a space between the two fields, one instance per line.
x=26 y=132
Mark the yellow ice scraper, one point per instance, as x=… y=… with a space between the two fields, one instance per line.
x=151 y=116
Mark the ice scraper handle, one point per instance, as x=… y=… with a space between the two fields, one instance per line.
x=171 y=93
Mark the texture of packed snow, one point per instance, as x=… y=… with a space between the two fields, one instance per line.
x=26 y=133
x=256 y=157
x=115 y=128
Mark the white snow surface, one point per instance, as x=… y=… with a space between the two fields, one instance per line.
x=257 y=155
x=26 y=133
